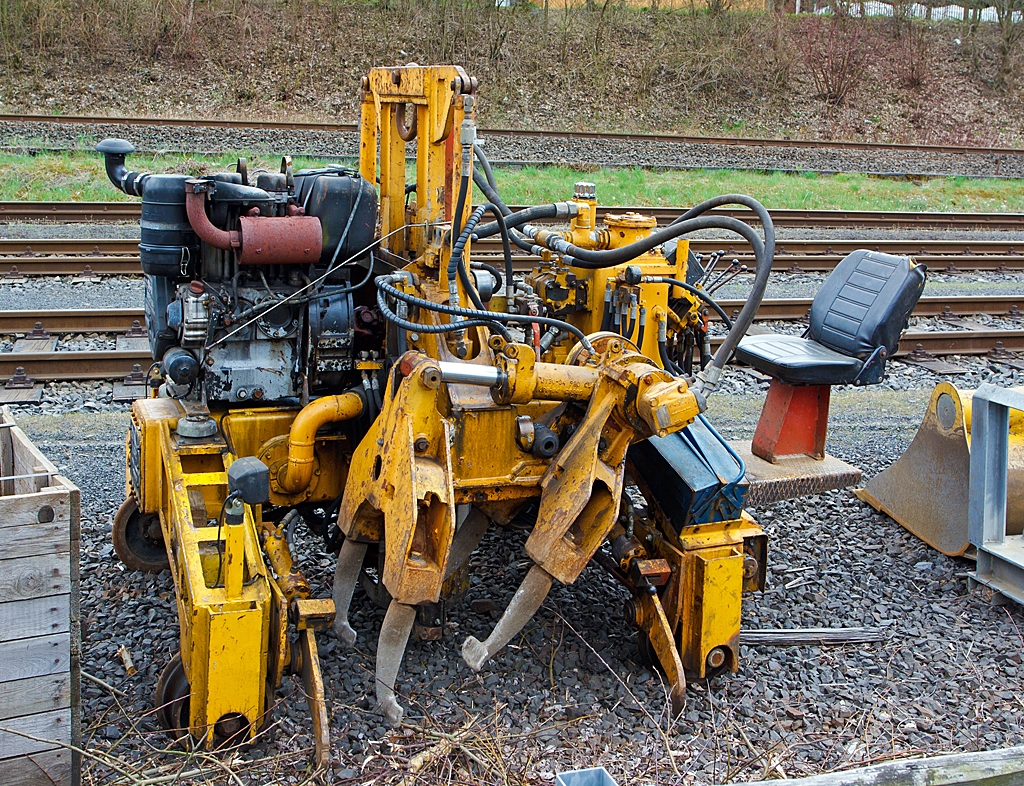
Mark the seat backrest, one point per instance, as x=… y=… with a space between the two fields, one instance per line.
x=865 y=303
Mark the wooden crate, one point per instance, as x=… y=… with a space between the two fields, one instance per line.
x=40 y=638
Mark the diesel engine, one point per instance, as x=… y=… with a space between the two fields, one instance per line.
x=253 y=279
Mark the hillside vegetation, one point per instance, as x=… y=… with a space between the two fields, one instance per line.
x=592 y=65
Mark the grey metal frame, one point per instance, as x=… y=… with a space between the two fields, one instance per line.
x=1000 y=556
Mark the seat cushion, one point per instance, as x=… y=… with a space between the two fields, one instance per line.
x=865 y=303
x=797 y=361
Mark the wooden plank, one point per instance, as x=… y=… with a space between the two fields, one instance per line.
x=22 y=619
x=1003 y=767
x=49 y=768
x=54 y=726
x=34 y=695
x=30 y=540
x=24 y=508
x=34 y=657
x=6 y=455
x=24 y=450
x=34 y=577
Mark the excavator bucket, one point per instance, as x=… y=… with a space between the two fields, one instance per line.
x=927 y=489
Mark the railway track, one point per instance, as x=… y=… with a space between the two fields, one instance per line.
x=122 y=320
x=53 y=257
x=116 y=364
x=284 y=125
x=869 y=219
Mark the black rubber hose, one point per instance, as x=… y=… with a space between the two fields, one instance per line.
x=698 y=293
x=418 y=327
x=499 y=281
x=761 y=273
x=764 y=252
x=506 y=246
x=486 y=316
x=492 y=195
x=517 y=219
x=486 y=166
x=666 y=361
x=460 y=203
x=456 y=265
x=576 y=256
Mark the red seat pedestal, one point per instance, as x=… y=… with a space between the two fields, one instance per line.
x=794 y=421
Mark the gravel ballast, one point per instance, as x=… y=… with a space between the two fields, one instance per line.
x=633 y=152
x=571 y=691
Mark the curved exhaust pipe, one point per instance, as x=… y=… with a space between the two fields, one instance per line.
x=195 y=207
x=114 y=152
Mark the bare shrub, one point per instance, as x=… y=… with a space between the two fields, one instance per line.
x=911 y=54
x=835 y=58
x=1009 y=15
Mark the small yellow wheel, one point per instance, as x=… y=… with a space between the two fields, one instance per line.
x=138 y=539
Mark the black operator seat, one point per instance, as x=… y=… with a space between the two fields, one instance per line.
x=856 y=321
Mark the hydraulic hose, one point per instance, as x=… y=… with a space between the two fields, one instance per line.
x=499 y=282
x=506 y=252
x=698 y=293
x=384 y=285
x=708 y=378
x=490 y=190
x=575 y=256
x=419 y=327
x=485 y=165
x=692 y=220
x=456 y=266
x=525 y=216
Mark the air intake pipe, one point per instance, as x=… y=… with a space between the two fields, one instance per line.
x=114 y=152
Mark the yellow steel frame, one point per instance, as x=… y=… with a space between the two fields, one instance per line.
x=233 y=607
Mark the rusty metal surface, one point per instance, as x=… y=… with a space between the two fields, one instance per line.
x=105 y=364
x=793 y=477
x=83 y=320
x=281 y=240
x=61 y=265
x=516 y=132
x=99 y=246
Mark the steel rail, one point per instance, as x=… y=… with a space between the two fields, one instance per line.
x=130 y=211
x=788 y=309
x=948 y=342
x=17 y=267
x=97 y=246
x=75 y=320
x=120 y=320
x=793 y=247
x=293 y=125
x=116 y=364
x=63 y=366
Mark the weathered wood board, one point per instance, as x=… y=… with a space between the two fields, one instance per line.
x=1004 y=767
x=40 y=639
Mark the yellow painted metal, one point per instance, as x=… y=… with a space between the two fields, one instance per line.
x=578 y=293
x=438 y=97
x=703 y=597
x=294 y=476
x=222 y=588
x=927 y=488
x=232 y=610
